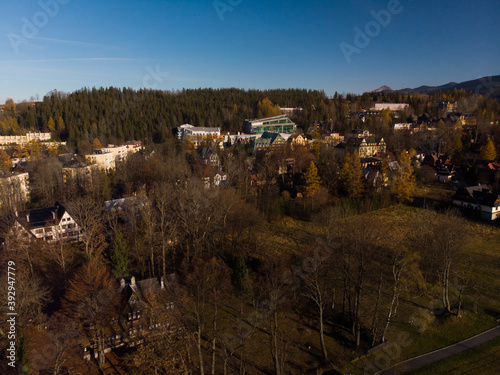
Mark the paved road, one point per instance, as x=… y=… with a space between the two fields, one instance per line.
x=437 y=355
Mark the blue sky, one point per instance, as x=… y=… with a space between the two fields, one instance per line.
x=70 y=44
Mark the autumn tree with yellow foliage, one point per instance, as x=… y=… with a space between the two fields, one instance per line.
x=403 y=179
x=488 y=152
x=351 y=175
x=312 y=180
x=5 y=162
x=266 y=108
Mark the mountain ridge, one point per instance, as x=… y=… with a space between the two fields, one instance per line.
x=488 y=86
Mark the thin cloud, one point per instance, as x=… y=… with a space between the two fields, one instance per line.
x=70 y=42
x=75 y=59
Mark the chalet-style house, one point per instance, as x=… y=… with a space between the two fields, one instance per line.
x=137 y=297
x=207 y=156
x=269 y=141
x=297 y=140
x=51 y=224
x=479 y=200
x=365 y=147
x=445 y=175
x=132 y=323
x=214 y=178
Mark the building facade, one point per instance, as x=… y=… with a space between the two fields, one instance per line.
x=23 y=139
x=276 y=124
x=365 y=147
x=50 y=224
x=199 y=135
x=104 y=160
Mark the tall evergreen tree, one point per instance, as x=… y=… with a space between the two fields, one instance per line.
x=119 y=255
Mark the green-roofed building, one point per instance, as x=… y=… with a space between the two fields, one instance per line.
x=276 y=124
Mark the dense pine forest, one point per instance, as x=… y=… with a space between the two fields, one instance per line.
x=114 y=115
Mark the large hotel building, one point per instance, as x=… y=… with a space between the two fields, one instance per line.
x=276 y=124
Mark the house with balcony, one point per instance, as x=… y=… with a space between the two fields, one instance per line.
x=50 y=224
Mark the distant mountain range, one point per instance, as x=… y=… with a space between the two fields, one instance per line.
x=486 y=86
x=383 y=89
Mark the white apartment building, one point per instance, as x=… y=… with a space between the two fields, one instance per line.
x=197 y=135
x=119 y=152
x=107 y=157
x=104 y=160
x=391 y=106
x=23 y=139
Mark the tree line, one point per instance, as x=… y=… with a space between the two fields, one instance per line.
x=115 y=115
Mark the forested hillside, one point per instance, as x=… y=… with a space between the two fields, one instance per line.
x=114 y=115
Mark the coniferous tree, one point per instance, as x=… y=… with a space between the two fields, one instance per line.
x=240 y=278
x=119 y=255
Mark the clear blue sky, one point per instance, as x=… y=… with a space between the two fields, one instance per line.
x=258 y=44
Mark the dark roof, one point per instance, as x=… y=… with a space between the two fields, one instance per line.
x=41 y=217
x=270 y=135
x=356 y=142
x=205 y=152
x=340 y=145
x=371 y=160
x=135 y=203
x=373 y=139
x=142 y=288
x=478 y=195
x=485 y=198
